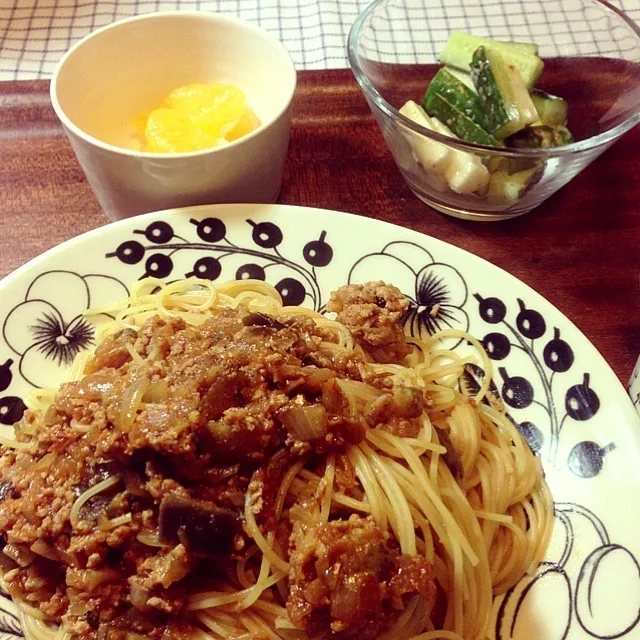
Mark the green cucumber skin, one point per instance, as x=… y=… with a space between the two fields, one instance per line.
x=551 y=109
x=495 y=110
x=465 y=128
x=460 y=47
x=507 y=103
x=457 y=94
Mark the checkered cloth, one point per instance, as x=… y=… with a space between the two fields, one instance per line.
x=35 y=33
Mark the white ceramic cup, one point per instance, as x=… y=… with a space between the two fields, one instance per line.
x=129 y=67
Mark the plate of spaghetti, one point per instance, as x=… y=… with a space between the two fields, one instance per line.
x=236 y=422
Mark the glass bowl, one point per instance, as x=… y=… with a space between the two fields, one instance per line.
x=591 y=53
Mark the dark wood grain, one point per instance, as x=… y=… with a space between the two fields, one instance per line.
x=580 y=249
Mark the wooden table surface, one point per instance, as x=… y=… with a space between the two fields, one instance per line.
x=579 y=249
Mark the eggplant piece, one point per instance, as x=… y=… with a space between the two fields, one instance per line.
x=262 y=320
x=204 y=529
x=112 y=353
x=451 y=457
x=541 y=136
x=7 y=490
x=225 y=392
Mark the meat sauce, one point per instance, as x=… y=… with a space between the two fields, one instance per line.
x=181 y=422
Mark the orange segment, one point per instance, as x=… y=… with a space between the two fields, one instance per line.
x=248 y=122
x=169 y=131
x=197 y=116
x=220 y=110
x=189 y=93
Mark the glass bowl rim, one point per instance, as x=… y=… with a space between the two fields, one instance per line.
x=566 y=150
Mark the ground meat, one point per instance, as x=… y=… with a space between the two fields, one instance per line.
x=166 y=568
x=372 y=313
x=187 y=421
x=345 y=473
x=349 y=581
x=264 y=486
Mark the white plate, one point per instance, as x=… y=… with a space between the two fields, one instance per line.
x=569 y=403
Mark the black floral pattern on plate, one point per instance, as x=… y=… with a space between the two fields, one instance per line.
x=437 y=292
x=11 y=407
x=47 y=330
x=212 y=245
x=581 y=402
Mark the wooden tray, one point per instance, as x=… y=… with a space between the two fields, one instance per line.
x=579 y=249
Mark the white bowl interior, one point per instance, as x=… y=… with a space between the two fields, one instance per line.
x=128 y=68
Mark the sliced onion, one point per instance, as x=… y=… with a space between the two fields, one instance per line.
x=138 y=595
x=158 y=391
x=149 y=538
x=306 y=423
x=130 y=403
x=361 y=391
x=315 y=377
x=45 y=462
x=79 y=427
x=357 y=394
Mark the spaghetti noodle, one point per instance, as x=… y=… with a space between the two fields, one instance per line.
x=388 y=458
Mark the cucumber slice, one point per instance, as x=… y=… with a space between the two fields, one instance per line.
x=444 y=166
x=432 y=155
x=457 y=94
x=528 y=47
x=551 y=109
x=541 y=136
x=509 y=165
x=465 y=78
x=505 y=188
x=461 y=125
x=464 y=171
x=508 y=105
x=461 y=46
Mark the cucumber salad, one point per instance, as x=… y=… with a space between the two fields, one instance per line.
x=485 y=94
